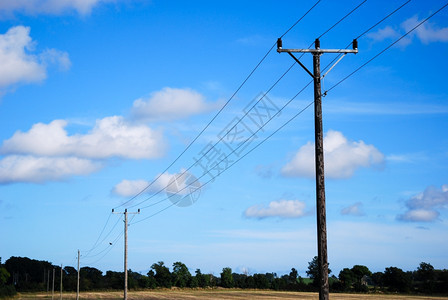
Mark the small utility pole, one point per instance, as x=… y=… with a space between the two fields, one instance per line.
x=61 y=285
x=52 y=291
x=126 y=248
x=77 y=284
x=319 y=153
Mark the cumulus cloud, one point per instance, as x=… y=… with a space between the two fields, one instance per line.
x=16 y=168
x=342 y=158
x=423 y=207
x=111 y=137
x=353 y=210
x=129 y=188
x=427 y=32
x=54 y=7
x=17 y=64
x=171 y=104
x=280 y=208
x=181 y=183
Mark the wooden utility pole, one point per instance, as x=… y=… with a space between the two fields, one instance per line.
x=52 y=291
x=77 y=284
x=125 y=297
x=61 y=285
x=319 y=153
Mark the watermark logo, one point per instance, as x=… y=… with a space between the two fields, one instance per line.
x=183 y=189
x=234 y=139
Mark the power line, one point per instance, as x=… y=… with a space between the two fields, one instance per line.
x=348 y=14
x=387 y=48
x=247 y=112
x=216 y=115
x=366 y=31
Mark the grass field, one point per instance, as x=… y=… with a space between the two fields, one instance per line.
x=184 y=294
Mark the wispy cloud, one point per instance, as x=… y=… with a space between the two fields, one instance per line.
x=426 y=33
x=424 y=207
x=280 y=209
x=353 y=210
x=51 y=7
x=377 y=108
x=342 y=157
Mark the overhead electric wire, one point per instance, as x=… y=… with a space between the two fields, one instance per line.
x=105 y=237
x=366 y=31
x=111 y=244
x=216 y=115
x=387 y=48
x=247 y=112
x=348 y=14
x=281 y=127
x=96 y=242
x=244 y=155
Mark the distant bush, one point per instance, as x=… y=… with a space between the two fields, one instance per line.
x=7 y=291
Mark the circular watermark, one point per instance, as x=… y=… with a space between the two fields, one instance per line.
x=183 y=189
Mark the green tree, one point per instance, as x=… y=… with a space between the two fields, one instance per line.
x=397 y=280
x=426 y=275
x=360 y=271
x=162 y=275
x=181 y=275
x=261 y=282
x=313 y=270
x=292 y=279
x=226 y=278
x=347 y=278
x=377 y=278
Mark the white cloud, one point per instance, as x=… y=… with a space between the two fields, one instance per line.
x=182 y=183
x=342 y=157
x=17 y=64
x=111 y=137
x=129 y=188
x=16 y=168
x=384 y=34
x=427 y=32
x=422 y=207
x=419 y=215
x=56 y=57
x=353 y=210
x=33 y=7
x=281 y=209
x=171 y=104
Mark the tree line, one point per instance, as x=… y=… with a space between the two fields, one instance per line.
x=23 y=274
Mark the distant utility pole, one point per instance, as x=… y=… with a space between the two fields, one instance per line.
x=126 y=248
x=61 y=285
x=77 y=284
x=319 y=153
x=52 y=291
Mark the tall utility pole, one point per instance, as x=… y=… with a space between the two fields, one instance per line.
x=126 y=248
x=319 y=154
x=77 y=284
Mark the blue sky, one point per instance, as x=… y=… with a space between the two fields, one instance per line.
x=99 y=97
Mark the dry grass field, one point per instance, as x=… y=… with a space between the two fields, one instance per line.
x=218 y=294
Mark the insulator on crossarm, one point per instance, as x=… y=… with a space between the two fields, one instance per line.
x=355 y=44
x=279 y=43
